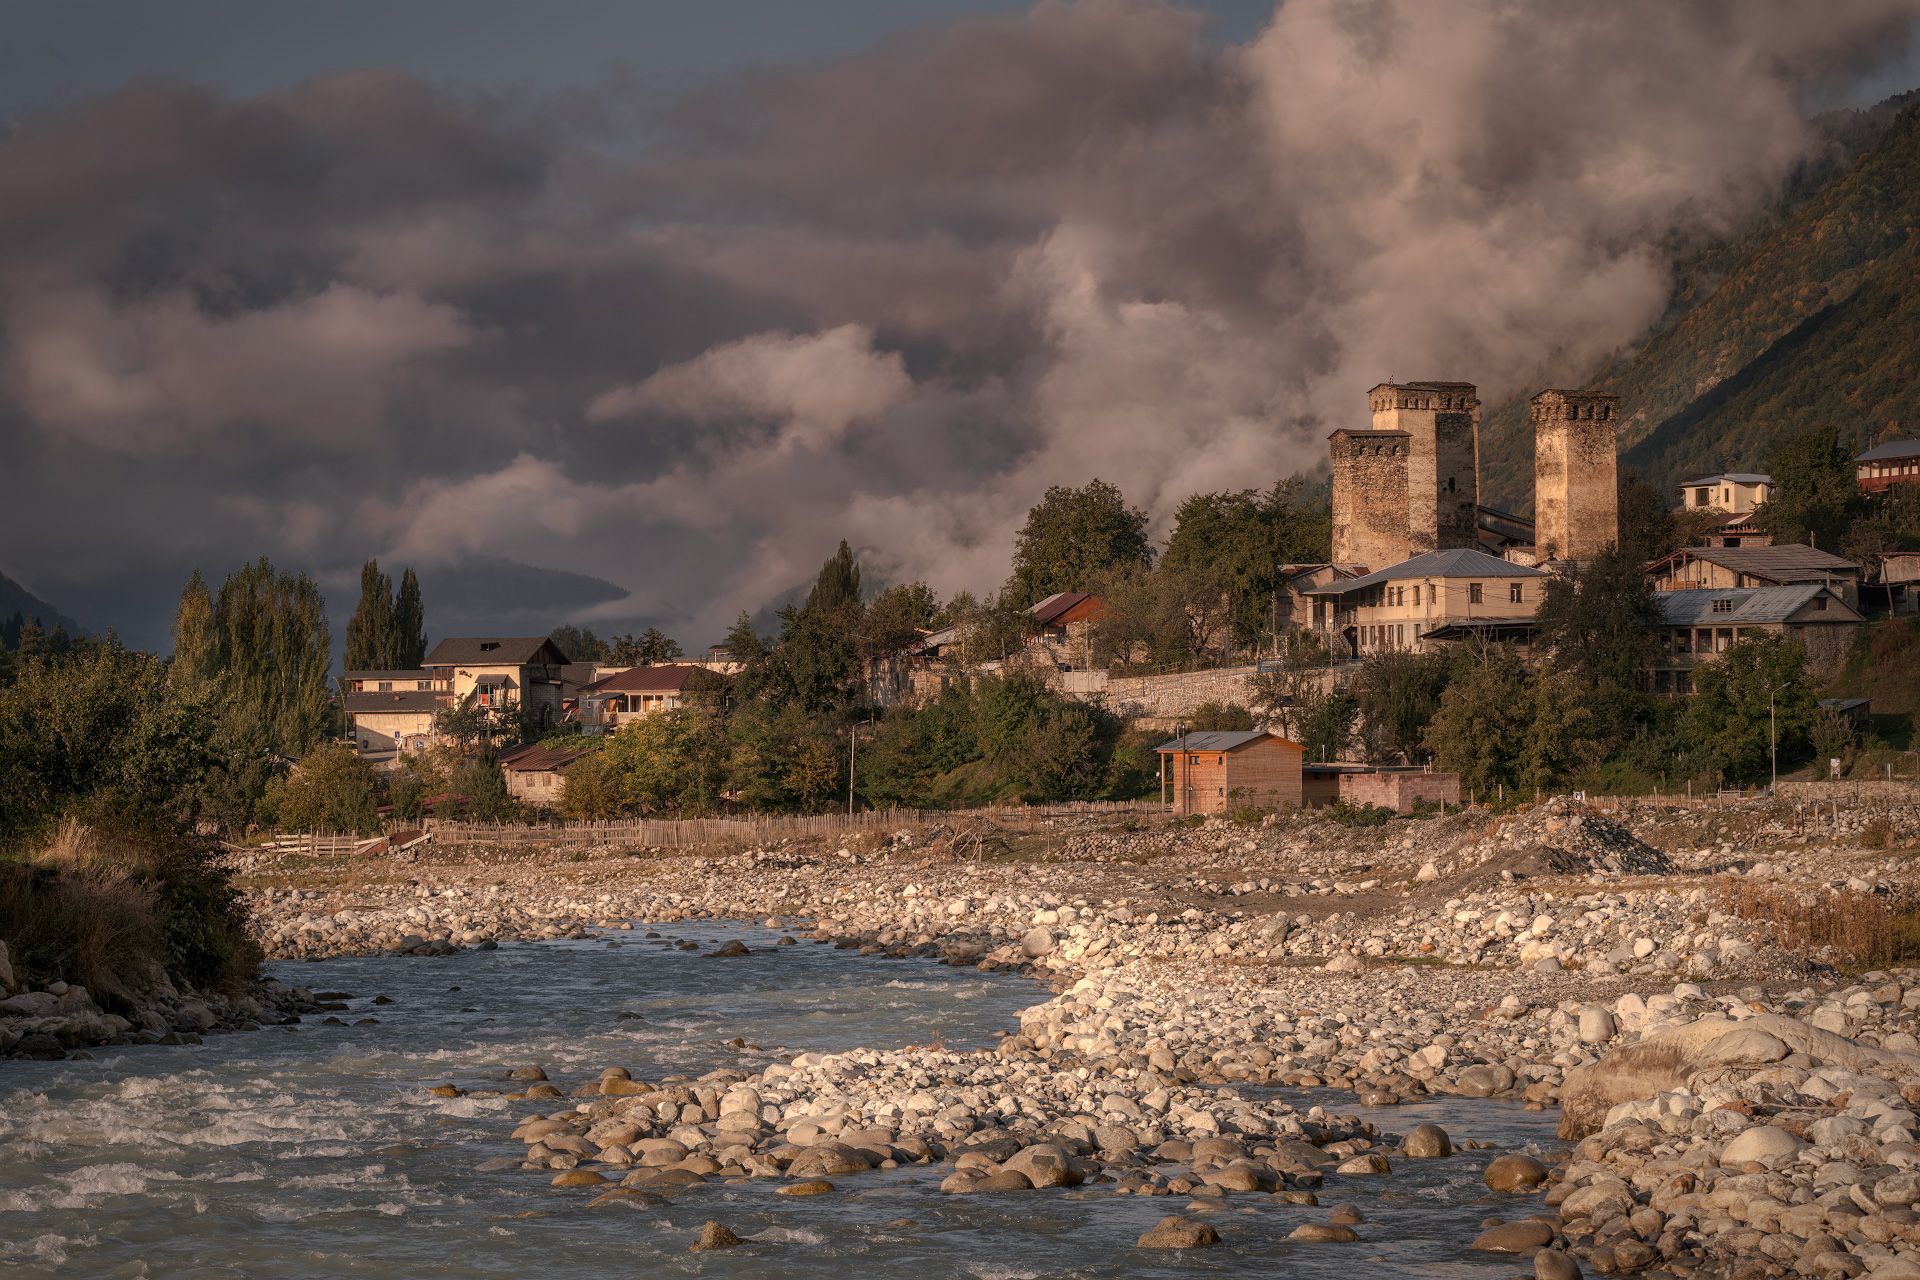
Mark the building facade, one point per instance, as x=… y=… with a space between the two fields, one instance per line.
x=514 y=674
x=1698 y=625
x=1734 y=492
x=1780 y=565
x=1216 y=771
x=1897 y=462
x=1433 y=598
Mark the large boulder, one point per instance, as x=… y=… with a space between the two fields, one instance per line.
x=1709 y=1051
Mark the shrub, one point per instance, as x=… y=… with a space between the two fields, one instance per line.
x=1361 y=815
x=331 y=790
x=1860 y=930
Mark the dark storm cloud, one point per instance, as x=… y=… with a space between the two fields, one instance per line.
x=888 y=297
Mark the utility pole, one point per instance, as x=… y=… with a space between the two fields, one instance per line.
x=1773 y=744
x=853 y=733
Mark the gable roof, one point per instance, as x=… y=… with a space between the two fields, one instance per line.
x=1782 y=562
x=1459 y=562
x=1059 y=605
x=1890 y=450
x=1223 y=740
x=661 y=679
x=496 y=651
x=535 y=758
x=1751 y=605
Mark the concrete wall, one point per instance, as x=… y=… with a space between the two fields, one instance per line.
x=1576 y=507
x=1399 y=791
x=1370 y=482
x=541 y=788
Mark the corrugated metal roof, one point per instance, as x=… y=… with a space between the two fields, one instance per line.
x=1460 y=562
x=1782 y=562
x=535 y=758
x=1733 y=477
x=1221 y=740
x=1747 y=605
x=397 y=700
x=1890 y=450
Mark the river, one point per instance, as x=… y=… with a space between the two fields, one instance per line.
x=318 y=1151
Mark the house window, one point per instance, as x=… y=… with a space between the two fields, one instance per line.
x=1473 y=593
x=1513 y=593
x=1819 y=602
x=386 y=686
x=1723 y=606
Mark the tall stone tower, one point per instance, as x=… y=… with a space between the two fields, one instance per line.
x=1369 y=497
x=1576 y=496
x=1442 y=422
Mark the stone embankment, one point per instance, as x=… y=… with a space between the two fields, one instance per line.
x=1558 y=955
x=65 y=1019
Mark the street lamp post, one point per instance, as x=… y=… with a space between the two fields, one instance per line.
x=1773 y=743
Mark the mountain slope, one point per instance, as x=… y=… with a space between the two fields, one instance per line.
x=1812 y=318
x=15 y=598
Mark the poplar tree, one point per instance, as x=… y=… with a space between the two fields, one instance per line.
x=369 y=641
x=193 y=641
x=409 y=625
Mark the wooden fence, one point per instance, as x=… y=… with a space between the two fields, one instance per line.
x=690 y=833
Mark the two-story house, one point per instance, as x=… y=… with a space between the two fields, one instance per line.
x=1734 y=492
x=1698 y=625
x=1781 y=565
x=1431 y=599
x=504 y=674
x=390 y=713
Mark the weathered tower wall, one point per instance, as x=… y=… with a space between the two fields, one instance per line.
x=1576 y=494
x=1442 y=422
x=1370 y=497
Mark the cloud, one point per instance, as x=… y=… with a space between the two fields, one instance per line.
x=815 y=385
x=890 y=296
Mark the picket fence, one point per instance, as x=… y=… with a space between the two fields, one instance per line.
x=688 y=833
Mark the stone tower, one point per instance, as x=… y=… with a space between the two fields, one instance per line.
x=1370 y=497
x=1576 y=496
x=1442 y=422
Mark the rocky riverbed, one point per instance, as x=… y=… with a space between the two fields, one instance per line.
x=1196 y=970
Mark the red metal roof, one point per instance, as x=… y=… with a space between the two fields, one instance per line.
x=663 y=679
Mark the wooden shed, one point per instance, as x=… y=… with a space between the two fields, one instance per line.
x=1215 y=771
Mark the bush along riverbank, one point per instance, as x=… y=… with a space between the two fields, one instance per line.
x=115 y=939
x=1610 y=964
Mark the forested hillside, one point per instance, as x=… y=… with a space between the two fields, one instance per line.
x=1810 y=319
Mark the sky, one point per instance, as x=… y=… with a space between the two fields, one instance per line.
x=625 y=314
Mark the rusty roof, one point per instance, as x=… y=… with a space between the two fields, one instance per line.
x=534 y=758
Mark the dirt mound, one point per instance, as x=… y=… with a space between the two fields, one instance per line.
x=1563 y=838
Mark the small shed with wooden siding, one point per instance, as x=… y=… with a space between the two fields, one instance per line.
x=1214 y=771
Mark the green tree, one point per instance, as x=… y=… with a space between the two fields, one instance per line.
x=656 y=646
x=816 y=662
x=580 y=644
x=194 y=651
x=1073 y=537
x=332 y=790
x=105 y=737
x=1757 y=688
x=1398 y=694
x=409 y=625
x=592 y=790
x=897 y=617
x=1235 y=543
x=1599 y=623
x=1323 y=721
x=485 y=787
x=1558 y=739
x=369 y=639
x=672 y=763
x=1220 y=715
x=1815 y=497
x=1479 y=729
